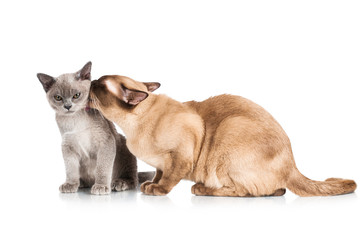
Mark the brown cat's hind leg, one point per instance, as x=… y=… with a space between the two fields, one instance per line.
x=200 y=190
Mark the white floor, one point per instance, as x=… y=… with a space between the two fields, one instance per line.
x=34 y=214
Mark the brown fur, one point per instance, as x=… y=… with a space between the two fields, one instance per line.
x=227 y=144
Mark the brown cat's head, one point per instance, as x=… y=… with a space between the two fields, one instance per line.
x=112 y=93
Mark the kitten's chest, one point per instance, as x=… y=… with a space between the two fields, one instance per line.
x=76 y=134
x=79 y=139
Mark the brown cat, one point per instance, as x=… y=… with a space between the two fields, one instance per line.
x=227 y=144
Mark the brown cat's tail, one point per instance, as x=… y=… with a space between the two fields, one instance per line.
x=305 y=187
x=145 y=176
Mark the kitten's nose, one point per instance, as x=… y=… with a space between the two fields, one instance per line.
x=67 y=107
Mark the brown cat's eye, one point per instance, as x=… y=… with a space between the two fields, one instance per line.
x=76 y=96
x=58 y=98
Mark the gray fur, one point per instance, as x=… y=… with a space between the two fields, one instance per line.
x=95 y=155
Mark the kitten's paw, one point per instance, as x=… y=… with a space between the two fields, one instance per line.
x=122 y=184
x=154 y=189
x=143 y=185
x=199 y=189
x=99 y=189
x=69 y=188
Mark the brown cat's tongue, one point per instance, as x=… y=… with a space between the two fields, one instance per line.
x=87 y=107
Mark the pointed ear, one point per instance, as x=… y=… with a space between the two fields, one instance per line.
x=152 y=86
x=131 y=97
x=46 y=80
x=84 y=73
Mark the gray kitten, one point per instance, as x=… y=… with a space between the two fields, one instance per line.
x=94 y=153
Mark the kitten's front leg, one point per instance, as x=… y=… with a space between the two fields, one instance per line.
x=71 y=160
x=176 y=167
x=104 y=169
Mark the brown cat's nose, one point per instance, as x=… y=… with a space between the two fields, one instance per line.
x=67 y=106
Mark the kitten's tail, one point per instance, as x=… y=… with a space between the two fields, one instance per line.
x=145 y=176
x=305 y=187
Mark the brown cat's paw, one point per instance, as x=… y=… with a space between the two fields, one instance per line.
x=199 y=189
x=99 y=189
x=279 y=192
x=154 y=189
x=69 y=188
x=143 y=185
x=122 y=184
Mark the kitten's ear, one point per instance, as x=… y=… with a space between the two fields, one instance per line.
x=131 y=97
x=152 y=86
x=46 y=80
x=84 y=73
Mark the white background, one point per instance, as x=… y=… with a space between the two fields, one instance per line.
x=298 y=59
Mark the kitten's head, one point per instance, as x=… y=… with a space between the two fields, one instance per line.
x=69 y=92
x=115 y=94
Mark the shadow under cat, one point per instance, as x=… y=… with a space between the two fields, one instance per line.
x=83 y=195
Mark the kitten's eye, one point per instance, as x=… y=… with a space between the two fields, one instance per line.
x=76 y=96
x=58 y=98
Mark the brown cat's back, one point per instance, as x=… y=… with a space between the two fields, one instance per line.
x=217 y=108
x=220 y=108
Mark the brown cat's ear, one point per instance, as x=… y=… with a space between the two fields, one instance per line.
x=131 y=97
x=46 y=80
x=84 y=73
x=152 y=86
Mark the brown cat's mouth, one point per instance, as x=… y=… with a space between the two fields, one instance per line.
x=87 y=106
x=90 y=103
